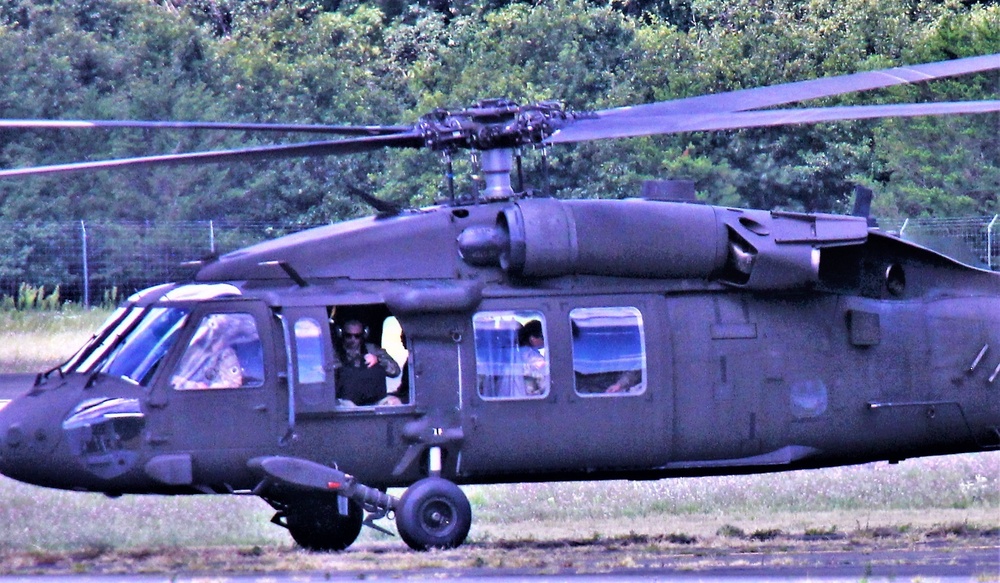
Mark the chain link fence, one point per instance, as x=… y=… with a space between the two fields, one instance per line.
x=974 y=241
x=101 y=262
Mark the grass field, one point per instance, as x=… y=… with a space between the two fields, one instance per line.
x=947 y=494
x=943 y=494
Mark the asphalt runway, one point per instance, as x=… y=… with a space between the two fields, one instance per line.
x=973 y=559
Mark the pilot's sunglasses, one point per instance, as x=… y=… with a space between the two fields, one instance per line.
x=352 y=335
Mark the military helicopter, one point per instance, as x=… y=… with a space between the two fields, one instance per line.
x=697 y=340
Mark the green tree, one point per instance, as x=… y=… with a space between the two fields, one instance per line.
x=946 y=166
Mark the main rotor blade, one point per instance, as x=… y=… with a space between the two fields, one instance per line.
x=201 y=125
x=325 y=148
x=630 y=127
x=758 y=97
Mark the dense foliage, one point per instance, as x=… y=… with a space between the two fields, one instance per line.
x=388 y=62
x=344 y=61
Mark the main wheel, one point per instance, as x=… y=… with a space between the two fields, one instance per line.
x=317 y=525
x=433 y=514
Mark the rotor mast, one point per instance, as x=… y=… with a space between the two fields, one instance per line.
x=497 y=165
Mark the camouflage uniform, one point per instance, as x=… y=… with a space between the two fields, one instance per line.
x=356 y=358
x=210 y=361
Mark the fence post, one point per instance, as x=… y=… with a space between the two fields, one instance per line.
x=86 y=270
x=989 y=242
x=211 y=236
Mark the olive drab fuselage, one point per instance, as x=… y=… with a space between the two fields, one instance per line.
x=675 y=339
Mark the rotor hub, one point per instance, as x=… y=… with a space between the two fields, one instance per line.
x=495 y=124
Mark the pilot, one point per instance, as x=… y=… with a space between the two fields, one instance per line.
x=210 y=361
x=361 y=367
x=531 y=342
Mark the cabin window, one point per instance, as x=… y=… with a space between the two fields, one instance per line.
x=225 y=352
x=609 y=351
x=512 y=361
x=309 y=351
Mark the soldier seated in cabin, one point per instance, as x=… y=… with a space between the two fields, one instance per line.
x=531 y=351
x=361 y=367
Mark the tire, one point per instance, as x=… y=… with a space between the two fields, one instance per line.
x=433 y=514
x=317 y=525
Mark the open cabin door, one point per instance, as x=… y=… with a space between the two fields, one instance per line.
x=310 y=373
x=319 y=418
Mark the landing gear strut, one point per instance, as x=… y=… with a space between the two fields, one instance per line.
x=433 y=514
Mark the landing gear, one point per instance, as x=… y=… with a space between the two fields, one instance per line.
x=318 y=525
x=433 y=514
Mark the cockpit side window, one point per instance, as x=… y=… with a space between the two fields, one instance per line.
x=309 y=351
x=225 y=352
x=512 y=360
x=609 y=351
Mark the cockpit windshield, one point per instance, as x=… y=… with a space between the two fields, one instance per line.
x=134 y=340
x=110 y=333
x=137 y=345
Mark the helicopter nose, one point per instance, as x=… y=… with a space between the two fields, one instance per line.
x=89 y=448
x=27 y=441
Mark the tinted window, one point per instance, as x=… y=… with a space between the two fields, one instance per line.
x=309 y=351
x=512 y=360
x=138 y=356
x=609 y=354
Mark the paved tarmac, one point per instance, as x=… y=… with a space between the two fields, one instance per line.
x=969 y=560
x=616 y=577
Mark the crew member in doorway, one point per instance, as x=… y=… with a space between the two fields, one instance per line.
x=361 y=366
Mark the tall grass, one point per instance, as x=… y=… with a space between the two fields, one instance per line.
x=33 y=341
x=34 y=518
x=915 y=493
x=946 y=482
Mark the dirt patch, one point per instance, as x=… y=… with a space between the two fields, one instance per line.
x=968 y=553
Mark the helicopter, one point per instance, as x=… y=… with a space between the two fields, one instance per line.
x=530 y=345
